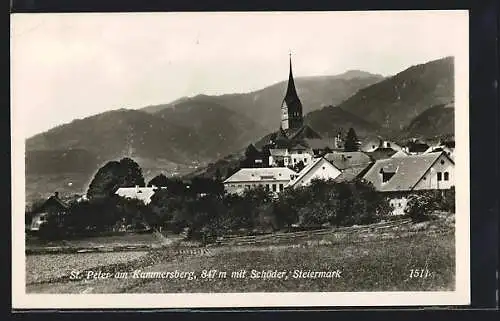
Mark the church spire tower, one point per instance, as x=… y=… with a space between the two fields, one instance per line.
x=291 y=107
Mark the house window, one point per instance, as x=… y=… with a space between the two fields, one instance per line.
x=446 y=176
x=442 y=162
x=281 y=187
x=274 y=187
x=305 y=160
x=440 y=176
x=386 y=176
x=388 y=144
x=300 y=152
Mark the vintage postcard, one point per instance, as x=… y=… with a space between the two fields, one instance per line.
x=240 y=159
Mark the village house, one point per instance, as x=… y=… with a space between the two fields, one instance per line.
x=415 y=147
x=351 y=164
x=440 y=148
x=143 y=194
x=273 y=179
x=381 y=153
x=400 y=153
x=290 y=156
x=398 y=177
x=372 y=143
x=52 y=208
x=319 y=168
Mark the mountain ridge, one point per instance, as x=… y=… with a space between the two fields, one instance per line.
x=191 y=132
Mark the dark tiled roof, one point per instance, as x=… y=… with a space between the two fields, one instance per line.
x=351 y=173
x=304 y=132
x=52 y=200
x=381 y=153
x=344 y=160
x=317 y=143
x=407 y=171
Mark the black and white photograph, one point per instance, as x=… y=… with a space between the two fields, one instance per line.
x=240 y=159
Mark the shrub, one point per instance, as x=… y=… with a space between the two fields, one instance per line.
x=448 y=200
x=421 y=205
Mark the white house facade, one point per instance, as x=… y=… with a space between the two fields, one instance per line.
x=290 y=157
x=400 y=176
x=440 y=175
x=273 y=179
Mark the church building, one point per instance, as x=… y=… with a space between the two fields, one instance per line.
x=291 y=107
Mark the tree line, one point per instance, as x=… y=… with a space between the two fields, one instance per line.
x=202 y=209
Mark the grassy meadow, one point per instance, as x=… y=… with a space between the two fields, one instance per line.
x=374 y=264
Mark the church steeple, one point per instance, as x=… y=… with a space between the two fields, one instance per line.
x=291 y=107
x=291 y=92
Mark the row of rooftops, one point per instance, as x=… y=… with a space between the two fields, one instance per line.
x=406 y=169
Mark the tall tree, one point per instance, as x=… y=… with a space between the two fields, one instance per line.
x=159 y=180
x=218 y=175
x=113 y=175
x=351 y=141
x=251 y=154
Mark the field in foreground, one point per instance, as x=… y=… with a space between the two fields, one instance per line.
x=375 y=265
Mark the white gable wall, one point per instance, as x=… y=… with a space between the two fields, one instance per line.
x=291 y=158
x=305 y=157
x=431 y=179
x=322 y=170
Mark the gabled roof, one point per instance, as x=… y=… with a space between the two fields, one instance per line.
x=319 y=143
x=141 y=193
x=311 y=166
x=381 y=153
x=305 y=131
x=399 y=154
x=261 y=174
x=299 y=146
x=278 y=151
x=407 y=171
x=52 y=200
x=351 y=173
x=343 y=160
x=417 y=147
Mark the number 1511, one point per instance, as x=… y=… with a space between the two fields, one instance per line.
x=419 y=273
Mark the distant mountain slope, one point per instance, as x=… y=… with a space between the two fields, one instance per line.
x=394 y=102
x=120 y=132
x=330 y=120
x=263 y=106
x=221 y=130
x=436 y=121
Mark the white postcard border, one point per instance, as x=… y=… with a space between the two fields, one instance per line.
x=461 y=295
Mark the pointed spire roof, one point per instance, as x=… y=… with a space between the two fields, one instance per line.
x=291 y=92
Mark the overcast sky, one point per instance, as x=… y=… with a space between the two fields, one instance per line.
x=67 y=66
